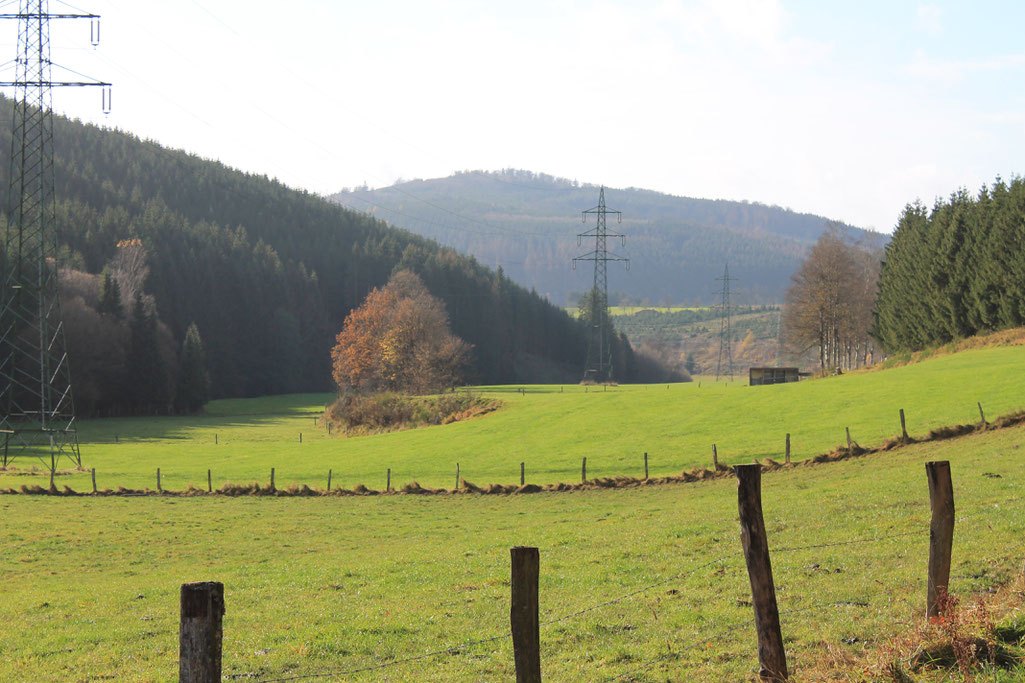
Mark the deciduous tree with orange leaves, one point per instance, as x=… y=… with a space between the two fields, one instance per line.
x=399 y=340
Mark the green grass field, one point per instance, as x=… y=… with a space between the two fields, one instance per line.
x=321 y=585
x=550 y=428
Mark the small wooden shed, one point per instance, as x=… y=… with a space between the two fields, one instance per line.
x=773 y=375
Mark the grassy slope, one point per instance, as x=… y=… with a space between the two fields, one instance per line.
x=312 y=585
x=551 y=431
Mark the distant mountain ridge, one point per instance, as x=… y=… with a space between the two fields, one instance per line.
x=527 y=223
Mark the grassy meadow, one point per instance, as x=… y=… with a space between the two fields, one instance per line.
x=550 y=428
x=329 y=585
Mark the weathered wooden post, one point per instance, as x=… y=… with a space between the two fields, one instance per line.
x=215 y=439
x=523 y=473
x=329 y=429
x=200 y=632
x=94 y=480
x=583 y=471
x=771 y=656
x=159 y=489
x=457 y=475
x=524 y=614
x=387 y=486
x=982 y=415
x=329 y=480
x=903 y=427
x=788 y=448
x=715 y=458
x=209 y=482
x=941 y=532
x=645 y=464
x=300 y=437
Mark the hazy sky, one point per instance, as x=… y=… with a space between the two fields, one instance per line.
x=849 y=110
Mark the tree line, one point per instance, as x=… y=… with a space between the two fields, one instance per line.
x=954 y=271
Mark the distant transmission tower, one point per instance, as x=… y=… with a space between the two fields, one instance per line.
x=37 y=415
x=725 y=333
x=599 y=346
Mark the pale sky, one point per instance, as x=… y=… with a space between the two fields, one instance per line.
x=849 y=110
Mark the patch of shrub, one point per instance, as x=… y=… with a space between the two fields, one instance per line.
x=387 y=411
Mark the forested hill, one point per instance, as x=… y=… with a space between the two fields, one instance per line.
x=528 y=223
x=268 y=273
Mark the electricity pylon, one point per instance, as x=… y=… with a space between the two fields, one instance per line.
x=599 y=346
x=725 y=333
x=37 y=414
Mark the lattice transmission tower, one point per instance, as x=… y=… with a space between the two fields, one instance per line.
x=725 y=333
x=37 y=414
x=599 y=346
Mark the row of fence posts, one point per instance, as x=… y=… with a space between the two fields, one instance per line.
x=202 y=604
x=583 y=464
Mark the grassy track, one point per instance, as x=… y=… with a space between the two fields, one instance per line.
x=328 y=584
x=549 y=428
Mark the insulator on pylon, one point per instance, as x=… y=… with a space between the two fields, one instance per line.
x=94 y=32
x=107 y=99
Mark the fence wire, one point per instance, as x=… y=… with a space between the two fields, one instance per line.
x=992 y=507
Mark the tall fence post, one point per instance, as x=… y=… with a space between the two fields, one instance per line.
x=645 y=464
x=903 y=427
x=715 y=458
x=788 y=448
x=159 y=488
x=200 y=633
x=982 y=415
x=329 y=480
x=523 y=474
x=583 y=471
x=771 y=656
x=524 y=613
x=215 y=439
x=941 y=532
x=457 y=475
x=272 y=479
x=94 y=480
x=387 y=486
x=209 y=482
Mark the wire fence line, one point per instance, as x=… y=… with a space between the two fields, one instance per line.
x=854 y=602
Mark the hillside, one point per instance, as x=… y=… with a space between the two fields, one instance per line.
x=268 y=273
x=527 y=224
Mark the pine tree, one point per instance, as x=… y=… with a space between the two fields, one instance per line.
x=110 y=295
x=193 y=390
x=147 y=381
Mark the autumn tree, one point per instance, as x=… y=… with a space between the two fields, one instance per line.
x=829 y=303
x=399 y=339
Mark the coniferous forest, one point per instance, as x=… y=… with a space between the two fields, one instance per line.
x=954 y=271
x=262 y=274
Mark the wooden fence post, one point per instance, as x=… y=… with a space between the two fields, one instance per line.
x=523 y=614
x=300 y=437
x=715 y=458
x=771 y=656
x=982 y=415
x=849 y=449
x=272 y=479
x=583 y=471
x=941 y=532
x=329 y=429
x=215 y=439
x=209 y=482
x=94 y=480
x=159 y=488
x=200 y=633
x=645 y=464
x=903 y=427
x=387 y=486
x=788 y=448
x=329 y=480
x=523 y=474
x=457 y=475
